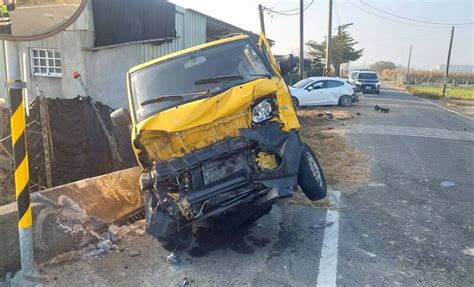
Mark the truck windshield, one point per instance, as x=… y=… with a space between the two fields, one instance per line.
x=199 y=74
x=367 y=76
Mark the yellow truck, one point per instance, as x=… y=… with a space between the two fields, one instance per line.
x=216 y=133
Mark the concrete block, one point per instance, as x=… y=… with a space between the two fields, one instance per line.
x=71 y=216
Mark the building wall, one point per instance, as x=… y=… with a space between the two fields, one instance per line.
x=69 y=43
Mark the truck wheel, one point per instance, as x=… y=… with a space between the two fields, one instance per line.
x=295 y=101
x=179 y=240
x=310 y=176
x=345 y=101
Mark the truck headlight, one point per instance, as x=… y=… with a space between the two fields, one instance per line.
x=262 y=111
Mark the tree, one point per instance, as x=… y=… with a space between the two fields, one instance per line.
x=383 y=65
x=343 y=50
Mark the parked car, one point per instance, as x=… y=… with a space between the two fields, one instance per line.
x=214 y=129
x=320 y=91
x=366 y=81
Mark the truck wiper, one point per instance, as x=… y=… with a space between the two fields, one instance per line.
x=228 y=78
x=167 y=98
x=218 y=79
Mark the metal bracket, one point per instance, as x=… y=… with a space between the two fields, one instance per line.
x=16 y=85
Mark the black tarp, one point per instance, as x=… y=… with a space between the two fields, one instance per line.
x=81 y=148
x=80 y=145
x=122 y=21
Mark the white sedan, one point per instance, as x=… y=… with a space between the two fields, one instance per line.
x=322 y=91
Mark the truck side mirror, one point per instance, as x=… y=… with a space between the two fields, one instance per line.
x=287 y=64
x=121 y=117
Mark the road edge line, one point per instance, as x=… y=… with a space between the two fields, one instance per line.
x=327 y=273
x=445 y=108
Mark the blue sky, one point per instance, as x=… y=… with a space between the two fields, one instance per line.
x=382 y=39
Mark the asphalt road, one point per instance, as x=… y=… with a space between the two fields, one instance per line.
x=412 y=224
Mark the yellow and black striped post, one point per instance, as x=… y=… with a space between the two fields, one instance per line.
x=28 y=272
x=18 y=133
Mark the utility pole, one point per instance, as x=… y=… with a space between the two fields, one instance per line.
x=339 y=30
x=408 y=66
x=262 y=20
x=447 y=64
x=327 y=70
x=301 y=70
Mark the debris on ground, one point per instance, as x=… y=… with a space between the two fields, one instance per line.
x=134 y=253
x=172 y=258
x=359 y=114
x=109 y=240
x=113 y=232
x=185 y=282
x=327 y=115
x=322 y=225
x=381 y=109
x=336 y=115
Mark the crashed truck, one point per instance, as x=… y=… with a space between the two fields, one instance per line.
x=216 y=133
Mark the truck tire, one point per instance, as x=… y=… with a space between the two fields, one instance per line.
x=310 y=176
x=295 y=101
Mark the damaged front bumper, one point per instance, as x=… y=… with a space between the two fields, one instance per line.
x=243 y=172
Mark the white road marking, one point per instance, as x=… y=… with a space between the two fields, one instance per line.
x=449 y=110
x=411 y=131
x=398 y=100
x=327 y=273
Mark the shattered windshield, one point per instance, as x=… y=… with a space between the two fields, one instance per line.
x=196 y=75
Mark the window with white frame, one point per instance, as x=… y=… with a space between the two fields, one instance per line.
x=46 y=62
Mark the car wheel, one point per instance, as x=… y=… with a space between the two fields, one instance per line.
x=295 y=101
x=377 y=92
x=180 y=240
x=345 y=101
x=310 y=176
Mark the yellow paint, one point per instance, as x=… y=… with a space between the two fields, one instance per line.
x=21 y=176
x=18 y=122
x=26 y=221
x=194 y=125
x=266 y=161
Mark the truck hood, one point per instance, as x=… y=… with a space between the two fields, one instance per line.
x=195 y=125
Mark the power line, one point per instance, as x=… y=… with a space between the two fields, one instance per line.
x=286 y=12
x=414 y=20
x=382 y=17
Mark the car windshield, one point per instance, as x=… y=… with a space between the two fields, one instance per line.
x=301 y=84
x=367 y=76
x=199 y=74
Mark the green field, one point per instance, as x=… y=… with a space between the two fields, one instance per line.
x=435 y=92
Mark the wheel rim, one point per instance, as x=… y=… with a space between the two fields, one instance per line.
x=345 y=101
x=314 y=169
